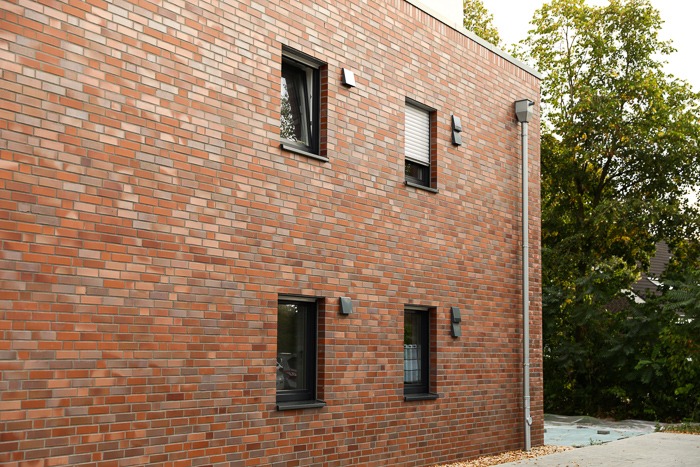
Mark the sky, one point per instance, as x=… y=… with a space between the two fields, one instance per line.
x=512 y=19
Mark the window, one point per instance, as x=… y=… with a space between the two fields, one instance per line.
x=300 y=112
x=418 y=142
x=296 y=353
x=416 y=351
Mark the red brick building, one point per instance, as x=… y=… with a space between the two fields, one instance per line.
x=236 y=233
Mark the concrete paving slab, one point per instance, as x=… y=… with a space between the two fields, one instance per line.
x=650 y=450
x=580 y=431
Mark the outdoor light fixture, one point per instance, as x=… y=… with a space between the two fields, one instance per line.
x=456 y=131
x=455 y=322
x=345 y=306
x=523 y=111
x=348 y=78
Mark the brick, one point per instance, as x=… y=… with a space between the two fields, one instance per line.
x=149 y=220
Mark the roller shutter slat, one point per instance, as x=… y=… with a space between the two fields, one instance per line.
x=417 y=134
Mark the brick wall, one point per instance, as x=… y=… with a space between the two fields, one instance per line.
x=149 y=221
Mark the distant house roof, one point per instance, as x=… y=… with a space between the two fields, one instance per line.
x=649 y=282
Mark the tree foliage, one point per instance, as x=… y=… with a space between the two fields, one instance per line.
x=620 y=148
x=478 y=20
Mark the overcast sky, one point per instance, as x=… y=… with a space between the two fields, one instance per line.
x=512 y=18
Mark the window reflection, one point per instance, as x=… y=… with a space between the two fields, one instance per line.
x=291 y=347
x=295 y=122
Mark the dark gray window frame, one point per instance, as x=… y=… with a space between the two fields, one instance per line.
x=304 y=399
x=303 y=63
x=418 y=392
x=428 y=180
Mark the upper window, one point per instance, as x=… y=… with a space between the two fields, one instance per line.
x=418 y=144
x=416 y=351
x=299 y=119
x=296 y=350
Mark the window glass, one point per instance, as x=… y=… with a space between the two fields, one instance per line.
x=417 y=173
x=296 y=350
x=300 y=103
x=291 y=346
x=412 y=349
x=296 y=118
x=416 y=347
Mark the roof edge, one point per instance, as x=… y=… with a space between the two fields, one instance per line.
x=484 y=43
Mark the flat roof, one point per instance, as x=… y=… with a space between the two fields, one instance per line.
x=459 y=28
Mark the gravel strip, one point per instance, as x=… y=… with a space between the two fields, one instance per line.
x=510 y=456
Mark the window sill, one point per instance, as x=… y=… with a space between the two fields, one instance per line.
x=421 y=187
x=428 y=396
x=300 y=405
x=290 y=148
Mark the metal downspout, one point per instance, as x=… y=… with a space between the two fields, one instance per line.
x=526 y=293
x=524 y=110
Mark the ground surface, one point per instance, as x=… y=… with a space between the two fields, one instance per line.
x=603 y=443
x=563 y=433
x=650 y=450
x=580 y=431
x=511 y=456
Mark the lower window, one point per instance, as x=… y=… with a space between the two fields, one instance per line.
x=296 y=350
x=416 y=352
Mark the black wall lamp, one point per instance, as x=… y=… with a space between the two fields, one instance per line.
x=456 y=322
x=456 y=131
x=345 y=306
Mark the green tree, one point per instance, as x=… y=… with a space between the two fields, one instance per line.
x=662 y=373
x=478 y=20
x=287 y=127
x=620 y=148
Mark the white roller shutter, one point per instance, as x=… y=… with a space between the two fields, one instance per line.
x=417 y=134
